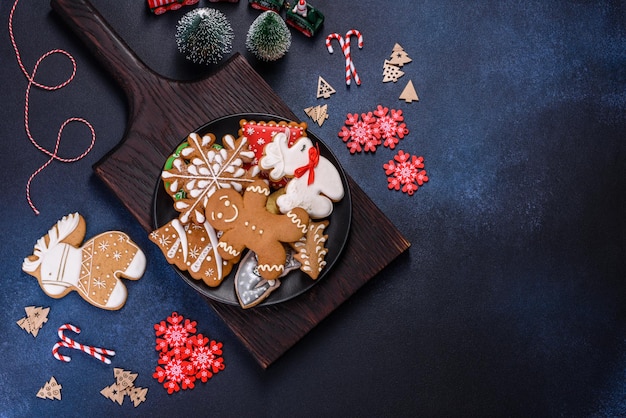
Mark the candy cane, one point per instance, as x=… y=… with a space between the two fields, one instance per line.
x=346 y=52
x=67 y=342
x=338 y=37
x=345 y=48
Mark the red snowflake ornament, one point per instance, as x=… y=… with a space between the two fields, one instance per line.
x=173 y=374
x=360 y=133
x=405 y=172
x=184 y=357
x=175 y=332
x=391 y=126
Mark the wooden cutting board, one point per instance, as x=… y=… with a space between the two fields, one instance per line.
x=162 y=112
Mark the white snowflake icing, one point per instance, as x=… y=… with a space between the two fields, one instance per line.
x=103 y=245
x=98 y=282
x=164 y=240
x=202 y=169
x=194 y=252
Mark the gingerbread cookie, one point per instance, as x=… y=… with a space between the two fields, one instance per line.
x=316 y=182
x=259 y=134
x=311 y=249
x=250 y=287
x=247 y=224
x=93 y=270
x=193 y=248
x=201 y=168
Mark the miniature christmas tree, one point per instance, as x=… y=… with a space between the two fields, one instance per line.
x=268 y=37
x=399 y=57
x=204 y=35
x=391 y=72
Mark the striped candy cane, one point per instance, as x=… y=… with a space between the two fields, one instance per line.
x=67 y=342
x=345 y=48
x=346 y=52
x=329 y=46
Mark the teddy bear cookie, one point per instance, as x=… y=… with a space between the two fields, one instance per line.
x=246 y=223
x=93 y=270
x=314 y=182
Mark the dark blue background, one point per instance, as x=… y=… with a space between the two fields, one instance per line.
x=511 y=300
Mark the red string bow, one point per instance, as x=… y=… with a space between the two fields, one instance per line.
x=314 y=159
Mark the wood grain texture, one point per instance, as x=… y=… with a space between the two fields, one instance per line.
x=161 y=113
x=269 y=331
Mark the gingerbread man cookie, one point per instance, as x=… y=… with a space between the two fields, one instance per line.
x=93 y=270
x=246 y=223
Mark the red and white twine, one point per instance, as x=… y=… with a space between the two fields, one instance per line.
x=67 y=342
x=31 y=82
x=344 y=42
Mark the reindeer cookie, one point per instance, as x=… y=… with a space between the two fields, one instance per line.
x=246 y=223
x=93 y=269
x=316 y=182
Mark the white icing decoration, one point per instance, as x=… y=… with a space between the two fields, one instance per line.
x=283 y=160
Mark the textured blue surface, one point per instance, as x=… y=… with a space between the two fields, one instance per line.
x=511 y=300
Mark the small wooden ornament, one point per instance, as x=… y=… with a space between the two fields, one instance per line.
x=399 y=56
x=318 y=113
x=324 y=89
x=51 y=390
x=124 y=378
x=34 y=319
x=114 y=392
x=409 y=94
x=391 y=72
x=137 y=395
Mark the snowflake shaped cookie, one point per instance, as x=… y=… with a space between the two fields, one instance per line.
x=360 y=133
x=391 y=126
x=405 y=172
x=201 y=168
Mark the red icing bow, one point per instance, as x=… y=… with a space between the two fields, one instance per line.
x=314 y=159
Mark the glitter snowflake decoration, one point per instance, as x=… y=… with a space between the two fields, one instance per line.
x=405 y=172
x=390 y=126
x=201 y=168
x=181 y=364
x=360 y=133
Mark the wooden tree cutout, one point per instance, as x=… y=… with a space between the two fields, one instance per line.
x=391 y=72
x=51 y=390
x=324 y=89
x=399 y=57
x=318 y=113
x=409 y=94
x=34 y=319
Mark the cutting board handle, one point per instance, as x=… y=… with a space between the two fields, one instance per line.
x=112 y=52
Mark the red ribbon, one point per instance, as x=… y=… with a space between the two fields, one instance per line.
x=314 y=159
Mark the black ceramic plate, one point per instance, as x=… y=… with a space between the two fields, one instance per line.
x=294 y=283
